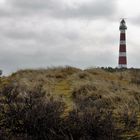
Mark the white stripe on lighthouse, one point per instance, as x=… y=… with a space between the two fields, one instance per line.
x=122 y=54
x=122 y=66
x=122 y=42
x=122 y=31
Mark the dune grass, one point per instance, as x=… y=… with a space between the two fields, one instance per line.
x=118 y=91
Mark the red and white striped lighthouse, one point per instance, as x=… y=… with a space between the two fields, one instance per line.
x=122 y=48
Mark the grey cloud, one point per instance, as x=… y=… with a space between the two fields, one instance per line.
x=47 y=34
x=135 y=20
x=4 y=13
x=33 y=4
x=101 y=8
x=20 y=35
x=33 y=7
x=50 y=47
x=59 y=9
x=39 y=33
x=11 y=61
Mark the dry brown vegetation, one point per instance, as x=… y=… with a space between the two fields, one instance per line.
x=67 y=103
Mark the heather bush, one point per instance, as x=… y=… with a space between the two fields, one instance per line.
x=92 y=124
x=32 y=116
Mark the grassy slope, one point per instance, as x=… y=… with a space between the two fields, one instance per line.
x=118 y=90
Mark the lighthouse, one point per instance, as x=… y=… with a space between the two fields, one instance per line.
x=122 y=48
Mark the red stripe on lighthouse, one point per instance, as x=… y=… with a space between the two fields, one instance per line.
x=122 y=60
x=122 y=48
x=122 y=36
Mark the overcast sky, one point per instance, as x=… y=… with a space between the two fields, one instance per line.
x=80 y=33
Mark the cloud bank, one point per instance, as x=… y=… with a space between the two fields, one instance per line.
x=42 y=33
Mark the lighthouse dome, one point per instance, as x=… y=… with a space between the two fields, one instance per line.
x=123 y=25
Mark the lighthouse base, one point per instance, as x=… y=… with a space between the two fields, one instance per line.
x=122 y=66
